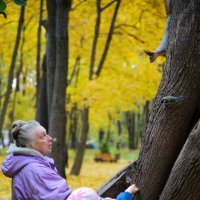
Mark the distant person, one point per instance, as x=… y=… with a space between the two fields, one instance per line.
x=34 y=175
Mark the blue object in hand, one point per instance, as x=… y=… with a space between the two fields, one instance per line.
x=124 y=196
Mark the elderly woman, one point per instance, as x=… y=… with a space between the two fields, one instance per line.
x=34 y=175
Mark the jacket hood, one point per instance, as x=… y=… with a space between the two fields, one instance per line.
x=19 y=158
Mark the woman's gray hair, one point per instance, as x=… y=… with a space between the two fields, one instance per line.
x=24 y=132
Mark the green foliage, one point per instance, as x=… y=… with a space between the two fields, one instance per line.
x=2 y=5
x=104 y=147
x=2 y=8
x=20 y=2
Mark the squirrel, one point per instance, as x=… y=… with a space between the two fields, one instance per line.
x=161 y=50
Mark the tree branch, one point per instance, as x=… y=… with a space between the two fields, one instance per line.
x=77 y=62
x=109 y=4
x=126 y=25
x=96 y=36
x=78 y=4
x=123 y=31
x=109 y=38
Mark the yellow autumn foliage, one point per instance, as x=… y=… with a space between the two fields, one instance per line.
x=127 y=80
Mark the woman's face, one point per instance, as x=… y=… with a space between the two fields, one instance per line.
x=42 y=141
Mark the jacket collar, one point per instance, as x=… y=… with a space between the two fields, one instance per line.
x=24 y=151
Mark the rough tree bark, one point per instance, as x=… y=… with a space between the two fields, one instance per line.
x=184 y=179
x=169 y=125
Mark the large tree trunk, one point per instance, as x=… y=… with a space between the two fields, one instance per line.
x=169 y=125
x=184 y=179
x=57 y=122
x=11 y=71
x=161 y=162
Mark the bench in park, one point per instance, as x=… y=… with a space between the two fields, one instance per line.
x=104 y=157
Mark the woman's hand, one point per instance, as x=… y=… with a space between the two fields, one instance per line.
x=132 y=189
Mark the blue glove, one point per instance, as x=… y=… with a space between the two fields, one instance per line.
x=124 y=196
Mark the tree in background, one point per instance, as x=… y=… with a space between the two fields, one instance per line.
x=57 y=69
x=11 y=71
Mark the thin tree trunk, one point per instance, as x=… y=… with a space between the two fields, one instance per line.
x=73 y=115
x=73 y=126
x=101 y=135
x=81 y=146
x=109 y=128
x=109 y=38
x=38 y=51
x=51 y=50
x=17 y=87
x=169 y=125
x=119 y=128
x=42 y=109
x=95 y=40
x=11 y=71
x=130 y=118
x=42 y=102
x=24 y=82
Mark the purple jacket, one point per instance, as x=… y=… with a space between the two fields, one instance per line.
x=34 y=178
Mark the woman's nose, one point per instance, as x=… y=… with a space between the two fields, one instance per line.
x=50 y=138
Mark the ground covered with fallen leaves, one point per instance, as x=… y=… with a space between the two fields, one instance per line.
x=93 y=174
